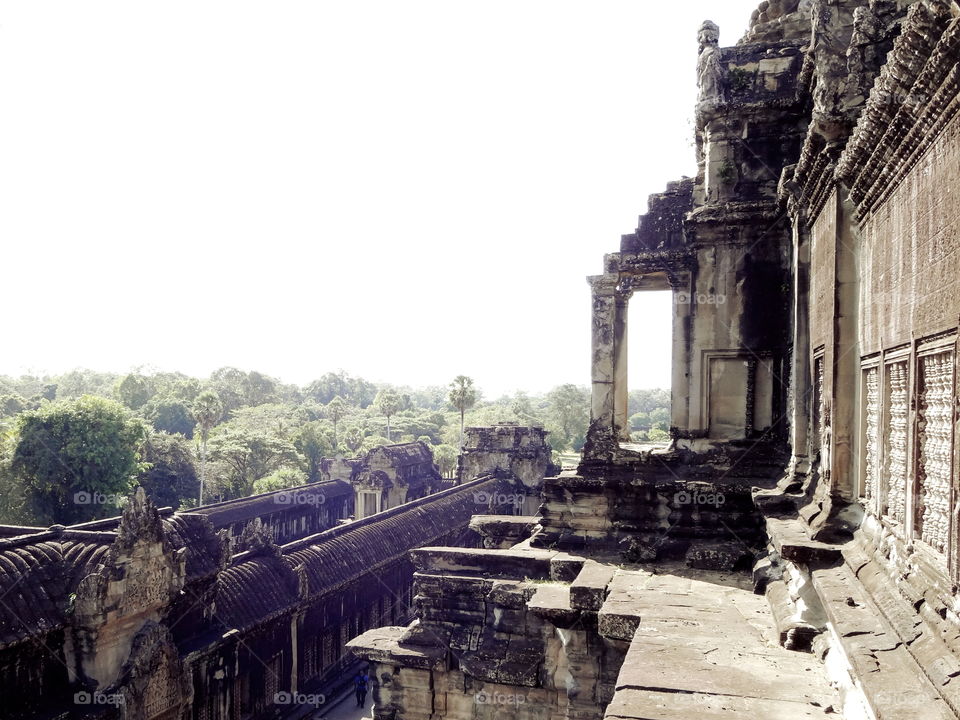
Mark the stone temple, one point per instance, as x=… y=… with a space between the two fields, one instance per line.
x=792 y=554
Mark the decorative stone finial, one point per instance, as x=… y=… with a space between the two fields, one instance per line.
x=139 y=522
x=709 y=68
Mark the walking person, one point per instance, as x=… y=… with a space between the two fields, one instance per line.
x=360 y=685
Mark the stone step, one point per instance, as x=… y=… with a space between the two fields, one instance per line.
x=891 y=680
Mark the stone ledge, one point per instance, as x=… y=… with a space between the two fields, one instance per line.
x=551 y=601
x=645 y=704
x=791 y=540
x=589 y=590
x=383 y=645
x=509 y=564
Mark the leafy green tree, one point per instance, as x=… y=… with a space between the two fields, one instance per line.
x=446 y=458
x=355 y=391
x=170 y=476
x=77 y=458
x=388 y=402
x=433 y=397
x=373 y=441
x=353 y=438
x=11 y=405
x=207 y=411
x=522 y=407
x=279 y=480
x=169 y=414
x=79 y=382
x=336 y=410
x=568 y=409
x=277 y=418
x=647 y=400
x=229 y=384
x=660 y=418
x=658 y=435
x=13 y=499
x=259 y=389
x=462 y=397
x=249 y=454
x=313 y=442
x=134 y=390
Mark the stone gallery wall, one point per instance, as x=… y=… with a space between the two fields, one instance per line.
x=910 y=265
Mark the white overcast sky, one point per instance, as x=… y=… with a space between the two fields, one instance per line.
x=405 y=190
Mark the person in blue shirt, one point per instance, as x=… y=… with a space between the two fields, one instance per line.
x=360 y=682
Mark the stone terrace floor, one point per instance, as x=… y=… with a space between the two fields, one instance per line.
x=705 y=646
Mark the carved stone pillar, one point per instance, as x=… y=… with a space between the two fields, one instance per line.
x=621 y=417
x=800 y=386
x=603 y=356
x=681 y=289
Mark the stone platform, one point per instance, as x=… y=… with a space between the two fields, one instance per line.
x=706 y=646
x=545 y=635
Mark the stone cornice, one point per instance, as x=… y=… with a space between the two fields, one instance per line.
x=913 y=99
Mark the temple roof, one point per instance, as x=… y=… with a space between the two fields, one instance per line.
x=244 y=509
x=403 y=454
x=38 y=573
x=337 y=556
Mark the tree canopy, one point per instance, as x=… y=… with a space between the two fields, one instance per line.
x=77 y=458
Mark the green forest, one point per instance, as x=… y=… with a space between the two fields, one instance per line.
x=73 y=446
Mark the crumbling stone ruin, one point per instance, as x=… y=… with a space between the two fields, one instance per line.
x=518 y=452
x=794 y=552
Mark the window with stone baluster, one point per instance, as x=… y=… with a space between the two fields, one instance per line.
x=933 y=482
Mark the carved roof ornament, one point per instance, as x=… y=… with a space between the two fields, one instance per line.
x=256 y=538
x=140 y=522
x=709 y=67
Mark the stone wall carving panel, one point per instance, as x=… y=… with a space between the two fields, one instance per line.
x=935 y=448
x=871 y=384
x=895 y=442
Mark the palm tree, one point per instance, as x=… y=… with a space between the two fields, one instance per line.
x=388 y=402
x=462 y=396
x=207 y=411
x=336 y=410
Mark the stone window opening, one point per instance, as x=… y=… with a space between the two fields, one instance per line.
x=933 y=484
x=649 y=334
x=896 y=411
